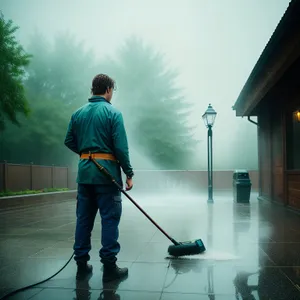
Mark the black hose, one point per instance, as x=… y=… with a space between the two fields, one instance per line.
x=32 y=285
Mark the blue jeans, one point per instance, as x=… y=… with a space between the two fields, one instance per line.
x=90 y=199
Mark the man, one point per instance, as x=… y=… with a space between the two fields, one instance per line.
x=98 y=128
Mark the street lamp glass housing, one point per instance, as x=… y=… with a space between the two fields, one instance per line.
x=209 y=116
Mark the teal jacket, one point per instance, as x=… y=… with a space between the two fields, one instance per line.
x=99 y=127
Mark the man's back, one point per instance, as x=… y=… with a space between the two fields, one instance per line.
x=93 y=126
x=98 y=127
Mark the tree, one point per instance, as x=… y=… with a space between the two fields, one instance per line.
x=58 y=82
x=62 y=70
x=156 y=113
x=40 y=138
x=13 y=61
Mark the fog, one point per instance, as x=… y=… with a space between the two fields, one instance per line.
x=212 y=45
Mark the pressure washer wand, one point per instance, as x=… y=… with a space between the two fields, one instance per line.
x=104 y=171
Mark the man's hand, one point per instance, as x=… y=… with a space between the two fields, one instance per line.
x=129 y=184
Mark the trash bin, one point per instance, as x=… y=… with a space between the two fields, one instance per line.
x=241 y=186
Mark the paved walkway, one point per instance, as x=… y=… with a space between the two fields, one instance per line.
x=253 y=251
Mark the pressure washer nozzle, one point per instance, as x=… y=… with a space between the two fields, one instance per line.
x=187 y=248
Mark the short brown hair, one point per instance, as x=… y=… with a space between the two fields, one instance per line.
x=101 y=83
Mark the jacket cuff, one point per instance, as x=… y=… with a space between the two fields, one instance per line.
x=130 y=175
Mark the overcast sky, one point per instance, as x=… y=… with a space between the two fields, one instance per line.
x=214 y=44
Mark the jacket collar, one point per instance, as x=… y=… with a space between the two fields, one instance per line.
x=98 y=99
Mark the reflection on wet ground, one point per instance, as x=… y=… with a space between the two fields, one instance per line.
x=253 y=251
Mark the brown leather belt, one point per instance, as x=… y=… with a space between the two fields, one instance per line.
x=107 y=156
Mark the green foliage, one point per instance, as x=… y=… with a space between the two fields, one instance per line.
x=31 y=192
x=155 y=111
x=13 y=60
x=41 y=136
x=59 y=79
x=61 y=71
x=58 y=82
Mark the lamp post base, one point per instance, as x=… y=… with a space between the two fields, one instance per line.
x=210 y=190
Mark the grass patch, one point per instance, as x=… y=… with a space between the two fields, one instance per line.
x=31 y=192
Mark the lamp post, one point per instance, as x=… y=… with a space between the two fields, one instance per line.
x=209 y=120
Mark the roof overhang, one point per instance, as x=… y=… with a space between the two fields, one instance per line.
x=282 y=50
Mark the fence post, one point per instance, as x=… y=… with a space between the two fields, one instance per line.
x=31 y=175
x=5 y=177
x=52 y=176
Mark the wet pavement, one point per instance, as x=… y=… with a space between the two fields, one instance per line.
x=253 y=251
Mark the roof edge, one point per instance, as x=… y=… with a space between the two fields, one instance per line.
x=267 y=54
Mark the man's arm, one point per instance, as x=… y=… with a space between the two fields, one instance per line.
x=70 y=140
x=120 y=144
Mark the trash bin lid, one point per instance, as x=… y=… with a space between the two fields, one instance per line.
x=240 y=171
x=241 y=174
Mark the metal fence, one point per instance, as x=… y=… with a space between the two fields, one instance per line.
x=17 y=177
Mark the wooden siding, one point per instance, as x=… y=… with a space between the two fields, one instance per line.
x=278 y=161
x=264 y=148
x=293 y=186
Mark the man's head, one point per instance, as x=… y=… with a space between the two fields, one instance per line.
x=103 y=85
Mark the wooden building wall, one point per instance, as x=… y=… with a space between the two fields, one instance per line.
x=271 y=142
x=277 y=155
x=264 y=158
x=277 y=182
x=293 y=189
x=293 y=176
